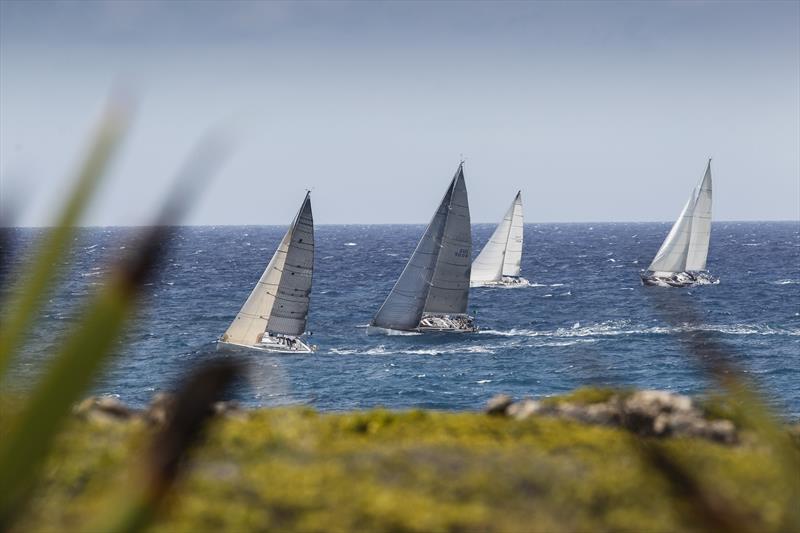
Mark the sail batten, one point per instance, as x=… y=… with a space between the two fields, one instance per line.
x=685 y=248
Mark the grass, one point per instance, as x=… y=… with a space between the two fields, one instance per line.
x=293 y=469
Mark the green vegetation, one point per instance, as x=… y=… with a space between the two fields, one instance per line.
x=587 y=396
x=295 y=469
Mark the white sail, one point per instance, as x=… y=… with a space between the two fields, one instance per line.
x=436 y=277
x=286 y=280
x=512 y=264
x=701 y=226
x=488 y=267
x=686 y=245
x=449 y=290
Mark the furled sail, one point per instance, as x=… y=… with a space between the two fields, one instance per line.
x=512 y=263
x=686 y=245
x=279 y=302
x=405 y=304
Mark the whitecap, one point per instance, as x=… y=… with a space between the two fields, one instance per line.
x=482 y=381
x=350 y=244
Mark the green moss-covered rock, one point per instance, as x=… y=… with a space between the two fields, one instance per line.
x=292 y=469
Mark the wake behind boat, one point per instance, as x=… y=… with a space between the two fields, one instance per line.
x=681 y=260
x=273 y=319
x=499 y=263
x=432 y=292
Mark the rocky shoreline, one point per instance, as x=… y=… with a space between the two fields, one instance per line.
x=652 y=413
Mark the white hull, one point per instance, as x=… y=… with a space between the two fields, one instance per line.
x=507 y=282
x=678 y=279
x=270 y=345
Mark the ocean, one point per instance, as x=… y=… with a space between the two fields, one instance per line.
x=586 y=319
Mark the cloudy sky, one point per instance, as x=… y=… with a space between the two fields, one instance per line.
x=598 y=111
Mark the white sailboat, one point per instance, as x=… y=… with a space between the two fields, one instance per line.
x=499 y=263
x=432 y=292
x=681 y=260
x=273 y=319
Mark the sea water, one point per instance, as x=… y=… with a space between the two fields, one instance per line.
x=585 y=319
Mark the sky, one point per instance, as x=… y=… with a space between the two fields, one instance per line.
x=597 y=111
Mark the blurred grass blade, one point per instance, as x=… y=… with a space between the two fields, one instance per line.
x=715 y=358
x=708 y=509
x=86 y=348
x=69 y=375
x=22 y=307
x=139 y=504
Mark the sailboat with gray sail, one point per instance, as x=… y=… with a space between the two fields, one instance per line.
x=432 y=292
x=274 y=317
x=681 y=260
x=500 y=262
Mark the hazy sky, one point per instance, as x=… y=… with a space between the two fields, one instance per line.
x=597 y=111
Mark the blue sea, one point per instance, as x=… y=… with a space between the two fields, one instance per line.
x=586 y=319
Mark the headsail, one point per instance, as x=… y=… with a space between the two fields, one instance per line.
x=488 y=266
x=279 y=302
x=512 y=263
x=686 y=245
x=449 y=291
x=503 y=253
x=405 y=304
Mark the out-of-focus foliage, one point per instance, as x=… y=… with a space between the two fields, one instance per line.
x=297 y=470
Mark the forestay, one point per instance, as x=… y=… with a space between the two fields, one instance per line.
x=280 y=300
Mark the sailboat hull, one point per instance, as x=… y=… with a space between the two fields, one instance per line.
x=508 y=282
x=678 y=279
x=297 y=346
x=439 y=323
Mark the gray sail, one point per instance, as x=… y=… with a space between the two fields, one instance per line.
x=290 y=310
x=449 y=291
x=403 y=308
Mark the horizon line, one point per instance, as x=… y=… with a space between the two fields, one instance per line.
x=97 y=226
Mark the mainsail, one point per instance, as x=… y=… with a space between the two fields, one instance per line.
x=436 y=277
x=279 y=302
x=502 y=255
x=686 y=246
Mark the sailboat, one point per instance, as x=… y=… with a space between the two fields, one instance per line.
x=273 y=319
x=432 y=292
x=499 y=263
x=681 y=260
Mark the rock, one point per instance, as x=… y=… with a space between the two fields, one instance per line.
x=642 y=411
x=498 y=404
x=103 y=409
x=524 y=409
x=221 y=408
x=160 y=408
